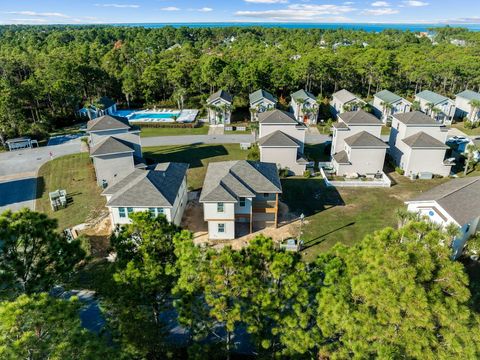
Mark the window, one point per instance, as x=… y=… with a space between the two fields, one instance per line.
x=220 y=208
x=221 y=228
x=266 y=195
x=152 y=211
x=160 y=211
x=121 y=212
x=242 y=202
x=129 y=211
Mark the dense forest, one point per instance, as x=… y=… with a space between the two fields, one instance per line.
x=48 y=72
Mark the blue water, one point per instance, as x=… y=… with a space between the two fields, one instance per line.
x=153 y=116
x=370 y=27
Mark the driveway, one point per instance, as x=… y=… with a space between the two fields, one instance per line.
x=18 y=172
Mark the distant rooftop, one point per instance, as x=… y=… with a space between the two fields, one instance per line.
x=304 y=95
x=345 y=96
x=260 y=95
x=431 y=97
x=388 y=96
x=469 y=95
x=220 y=94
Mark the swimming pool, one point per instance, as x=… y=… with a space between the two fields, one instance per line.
x=152 y=115
x=166 y=115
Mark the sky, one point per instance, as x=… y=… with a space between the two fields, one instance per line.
x=174 y=11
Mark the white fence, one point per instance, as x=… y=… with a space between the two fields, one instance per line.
x=383 y=182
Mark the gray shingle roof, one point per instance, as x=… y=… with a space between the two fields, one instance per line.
x=423 y=140
x=276 y=117
x=111 y=145
x=341 y=157
x=340 y=125
x=227 y=181
x=469 y=95
x=415 y=118
x=459 y=197
x=260 y=95
x=387 y=96
x=359 y=117
x=303 y=94
x=344 y=96
x=278 y=138
x=431 y=97
x=148 y=188
x=108 y=122
x=220 y=94
x=365 y=140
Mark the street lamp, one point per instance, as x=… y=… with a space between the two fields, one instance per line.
x=300 y=241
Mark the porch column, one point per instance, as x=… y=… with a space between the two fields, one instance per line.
x=276 y=210
x=251 y=219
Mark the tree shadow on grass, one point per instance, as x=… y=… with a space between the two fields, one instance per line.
x=192 y=154
x=319 y=239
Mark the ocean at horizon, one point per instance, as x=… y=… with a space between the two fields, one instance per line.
x=370 y=27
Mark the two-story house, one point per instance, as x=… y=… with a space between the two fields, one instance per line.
x=386 y=104
x=219 y=108
x=282 y=140
x=439 y=107
x=356 y=144
x=261 y=101
x=344 y=101
x=238 y=195
x=467 y=105
x=304 y=106
x=115 y=148
x=417 y=144
x=161 y=190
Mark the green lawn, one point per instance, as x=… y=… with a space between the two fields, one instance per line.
x=346 y=215
x=386 y=130
x=471 y=132
x=75 y=174
x=198 y=156
x=152 y=131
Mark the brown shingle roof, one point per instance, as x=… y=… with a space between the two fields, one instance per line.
x=359 y=117
x=423 y=140
x=365 y=140
x=108 y=122
x=415 y=118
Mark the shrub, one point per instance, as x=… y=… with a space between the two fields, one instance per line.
x=254 y=153
x=399 y=171
x=307 y=174
x=283 y=173
x=468 y=124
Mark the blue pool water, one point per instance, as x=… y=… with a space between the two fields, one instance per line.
x=137 y=116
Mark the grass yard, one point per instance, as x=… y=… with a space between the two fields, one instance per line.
x=386 y=130
x=198 y=156
x=75 y=174
x=157 y=131
x=470 y=132
x=346 y=215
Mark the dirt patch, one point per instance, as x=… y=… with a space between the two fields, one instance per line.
x=193 y=220
x=99 y=234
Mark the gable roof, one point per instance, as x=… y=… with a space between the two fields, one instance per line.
x=108 y=122
x=227 y=181
x=423 y=140
x=260 y=95
x=459 y=198
x=303 y=94
x=341 y=157
x=345 y=96
x=148 y=188
x=364 y=139
x=220 y=94
x=431 y=97
x=359 y=117
x=112 y=145
x=415 y=118
x=278 y=138
x=276 y=117
x=388 y=96
x=469 y=95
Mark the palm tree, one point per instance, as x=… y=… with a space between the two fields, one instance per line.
x=416 y=106
x=471 y=149
x=386 y=108
x=475 y=104
x=300 y=102
x=402 y=215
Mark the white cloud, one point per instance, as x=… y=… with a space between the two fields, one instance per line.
x=380 y=4
x=302 y=12
x=379 y=12
x=348 y=3
x=466 y=20
x=267 y=1
x=28 y=21
x=37 y=14
x=134 y=6
x=205 y=9
x=170 y=8
x=415 y=3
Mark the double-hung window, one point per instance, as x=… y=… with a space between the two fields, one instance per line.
x=221 y=228
x=160 y=211
x=242 y=202
x=152 y=211
x=220 y=207
x=129 y=211
x=121 y=212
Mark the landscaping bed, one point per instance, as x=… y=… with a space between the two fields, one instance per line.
x=173 y=130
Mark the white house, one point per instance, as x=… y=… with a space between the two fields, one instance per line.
x=261 y=101
x=282 y=140
x=386 y=104
x=240 y=197
x=351 y=123
x=305 y=107
x=363 y=154
x=161 y=190
x=439 y=107
x=219 y=108
x=103 y=106
x=114 y=147
x=417 y=145
x=464 y=108
x=455 y=202
x=343 y=101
